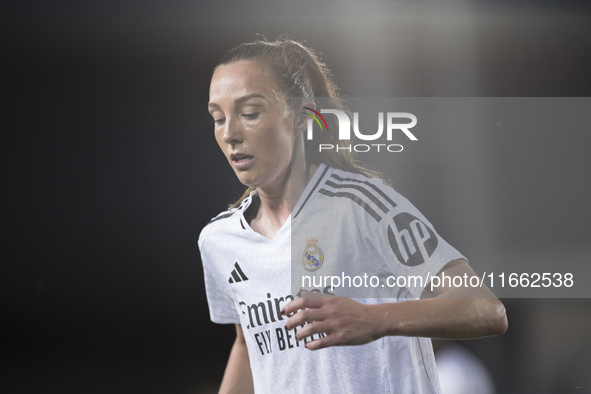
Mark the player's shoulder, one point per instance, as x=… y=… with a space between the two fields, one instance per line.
x=217 y=224
x=363 y=194
x=343 y=176
x=223 y=222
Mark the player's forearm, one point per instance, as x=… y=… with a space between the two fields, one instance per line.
x=446 y=318
x=238 y=376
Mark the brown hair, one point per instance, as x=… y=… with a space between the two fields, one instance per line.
x=299 y=72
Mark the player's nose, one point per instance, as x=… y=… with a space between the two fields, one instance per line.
x=232 y=132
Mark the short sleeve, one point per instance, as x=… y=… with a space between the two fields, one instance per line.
x=222 y=309
x=408 y=244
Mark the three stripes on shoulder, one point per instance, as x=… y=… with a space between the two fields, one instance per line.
x=371 y=194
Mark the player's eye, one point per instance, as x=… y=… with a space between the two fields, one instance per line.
x=219 y=121
x=251 y=116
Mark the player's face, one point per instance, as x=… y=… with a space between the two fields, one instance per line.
x=252 y=123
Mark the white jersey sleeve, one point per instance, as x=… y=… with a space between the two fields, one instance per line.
x=222 y=308
x=407 y=242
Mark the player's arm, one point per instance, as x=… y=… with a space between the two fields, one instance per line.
x=451 y=313
x=238 y=376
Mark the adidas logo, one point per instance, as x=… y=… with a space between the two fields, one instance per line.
x=237 y=274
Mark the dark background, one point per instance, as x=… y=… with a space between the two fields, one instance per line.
x=110 y=171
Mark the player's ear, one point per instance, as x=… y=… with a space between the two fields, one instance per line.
x=300 y=124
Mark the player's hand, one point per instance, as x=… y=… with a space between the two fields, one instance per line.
x=343 y=320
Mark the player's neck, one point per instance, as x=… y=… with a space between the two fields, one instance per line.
x=276 y=203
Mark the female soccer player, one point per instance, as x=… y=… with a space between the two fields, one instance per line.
x=303 y=343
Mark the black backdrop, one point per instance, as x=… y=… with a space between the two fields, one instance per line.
x=110 y=170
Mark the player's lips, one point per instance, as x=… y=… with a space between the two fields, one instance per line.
x=240 y=160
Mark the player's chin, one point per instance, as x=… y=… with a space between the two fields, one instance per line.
x=247 y=178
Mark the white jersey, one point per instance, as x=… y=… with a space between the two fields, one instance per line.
x=342 y=223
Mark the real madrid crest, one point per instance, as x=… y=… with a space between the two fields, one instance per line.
x=313 y=256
